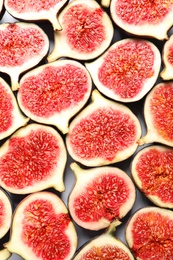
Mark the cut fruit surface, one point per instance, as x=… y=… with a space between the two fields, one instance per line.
x=149 y=233
x=127 y=70
x=5 y=213
x=103 y=133
x=167 y=56
x=100 y=196
x=158 y=113
x=87 y=31
x=145 y=18
x=53 y=93
x=22 y=46
x=42 y=229
x=33 y=159
x=10 y=116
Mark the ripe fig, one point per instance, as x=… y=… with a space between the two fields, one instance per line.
x=4 y=254
x=22 y=46
x=127 y=70
x=10 y=116
x=100 y=196
x=104 y=247
x=35 y=10
x=5 y=213
x=42 y=229
x=103 y=133
x=149 y=233
x=167 y=56
x=53 y=93
x=144 y=18
x=32 y=159
x=158 y=111
x=87 y=31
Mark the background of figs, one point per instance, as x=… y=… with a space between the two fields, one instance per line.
x=136 y=107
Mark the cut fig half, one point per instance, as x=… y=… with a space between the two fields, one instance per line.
x=100 y=196
x=143 y=18
x=4 y=254
x=127 y=70
x=105 y=3
x=42 y=229
x=33 y=159
x=53 y=93
x=10 y=116
x=103 y=133
x=22 y=46
x=36 y=10
x=149 y=233
x=152 y=172
x=104 y=247
x=167 y=56
x=86 y=32
x=158 y=114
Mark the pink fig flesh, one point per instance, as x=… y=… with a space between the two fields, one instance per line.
x=5 y=213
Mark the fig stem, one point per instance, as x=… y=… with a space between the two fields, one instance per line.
x=55 y=23
x=75 y=168
x=105 y=3
x=112 y=227
x=15 y=82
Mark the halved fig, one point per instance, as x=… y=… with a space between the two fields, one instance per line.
x=10 y=116
x=104 y=247
x=152 y=172
x=105 y=3
x=145 y=18
x=100 y=196
x=33 y=159
x=167 y=56
x=158 y=113
x=86 y=33
x=127 y=70
x=42 y=229
x=53 y=93
x=149 y=233
x=4 y=254
x=5 y=213
x=22 y=46
x=36 y=10
x=103 y=133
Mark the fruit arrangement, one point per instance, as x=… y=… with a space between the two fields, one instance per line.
x=86 y=130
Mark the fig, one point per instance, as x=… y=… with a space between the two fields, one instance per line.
x=22 y=46
x=5 y=213
x=127 y=70
x=86 y=32
x=104 y=132
x=53 y=93
x=143 y=18
x=100 y=196
x=4 y=254
x=167 y=57
x=105 y=3
x=32 y=159
x=106 y=246
x=10 y=116
x=158 y=114
x=149 y=233
x=152 y=172
x=42 y=229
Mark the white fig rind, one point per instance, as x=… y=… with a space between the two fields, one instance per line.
x=4 y=254
x=166 y=73
x=5 y=226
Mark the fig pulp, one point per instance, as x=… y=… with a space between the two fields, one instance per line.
x=103 y=133
x=145 y=18
x=149 y=233
x=100 y=196
x=167 y=56
x=42 y=229
x=127 y=70
x=53 y=93
x=158 y=113
x=105 y=247
x=10 y=116
x=5 y=213
x=22 y=46
x=86 y=32
x=33 y=159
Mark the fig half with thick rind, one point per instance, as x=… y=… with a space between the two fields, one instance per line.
x=100 y=196
x=103 y=133
x=53 y=93
x=4 y=254
x=42 y=229
x=10 y=116
x=104 y=247
x=86 y=33
x=143 y=18
x=5 y=213
x=167 y=57
x=127 y=70
x=33 y=159
x=152 y=172
x=22 y=46
x=149 y=233
x=158 y=114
